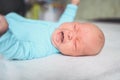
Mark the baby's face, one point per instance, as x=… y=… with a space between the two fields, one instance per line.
x=76 y=39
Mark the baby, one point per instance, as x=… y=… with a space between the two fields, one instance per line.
x=23 y=38
x=78 y=39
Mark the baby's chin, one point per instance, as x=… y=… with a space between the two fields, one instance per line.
x=55 y=39
x=52 y=40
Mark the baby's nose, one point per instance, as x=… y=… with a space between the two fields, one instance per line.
x=70 y=35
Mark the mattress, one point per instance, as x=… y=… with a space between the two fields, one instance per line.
x=104 y=66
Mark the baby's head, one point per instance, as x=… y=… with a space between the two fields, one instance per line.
x=78 y=39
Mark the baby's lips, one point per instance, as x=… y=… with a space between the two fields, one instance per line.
x=58 y=37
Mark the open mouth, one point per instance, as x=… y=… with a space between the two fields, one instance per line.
x=58 y=38
x=62 y=37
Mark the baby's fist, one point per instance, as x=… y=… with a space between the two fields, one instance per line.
x=75 y=2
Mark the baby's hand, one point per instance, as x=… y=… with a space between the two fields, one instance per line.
x=75 y=2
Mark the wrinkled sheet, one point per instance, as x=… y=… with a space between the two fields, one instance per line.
x=105 y=66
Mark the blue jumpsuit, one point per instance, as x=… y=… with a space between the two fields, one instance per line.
x=29 y=39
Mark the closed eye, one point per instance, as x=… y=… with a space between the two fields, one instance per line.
x=75 y=45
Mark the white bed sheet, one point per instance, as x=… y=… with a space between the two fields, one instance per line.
x=105 y=66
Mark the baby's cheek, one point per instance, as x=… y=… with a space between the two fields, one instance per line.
x=66 y=49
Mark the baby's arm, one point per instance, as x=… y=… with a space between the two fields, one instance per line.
x=11 y=47
x=70 y=12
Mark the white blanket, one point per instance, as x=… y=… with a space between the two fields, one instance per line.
x=105 y=66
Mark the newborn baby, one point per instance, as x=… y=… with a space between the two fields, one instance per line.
x=78 y=39
x=22 y=38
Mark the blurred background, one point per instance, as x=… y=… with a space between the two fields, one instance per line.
x=98 y=10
